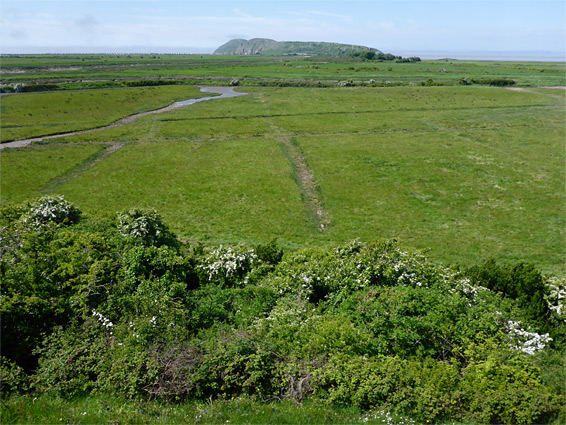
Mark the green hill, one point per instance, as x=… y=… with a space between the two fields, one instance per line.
x=267 y=47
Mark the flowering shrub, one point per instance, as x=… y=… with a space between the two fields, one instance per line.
x=556 y=296
x=525 y=341
x=287 y=323
x=469 y=290
x=405 y=304
x=333 y=274
x=228 y=265
x=145 y=227
x=51 y=209
x=104 y=321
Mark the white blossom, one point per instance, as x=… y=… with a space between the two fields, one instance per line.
x=229 y=263
x=105 y=321
x=556 y=298
x=525 y=341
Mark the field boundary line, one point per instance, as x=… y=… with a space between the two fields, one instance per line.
x=359 y=112
x=80 y=168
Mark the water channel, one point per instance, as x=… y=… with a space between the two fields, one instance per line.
x=224 y=92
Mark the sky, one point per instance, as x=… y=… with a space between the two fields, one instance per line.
x=189 y=26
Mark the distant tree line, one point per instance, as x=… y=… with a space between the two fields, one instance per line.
x=371 y=55
x=497 y=82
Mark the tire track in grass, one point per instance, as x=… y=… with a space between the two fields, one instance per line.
x=80 y=168
x=303 y=174
x=530 y=90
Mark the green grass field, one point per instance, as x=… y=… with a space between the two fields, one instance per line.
x=38 y=114
x=469 y=172
x=101 y=409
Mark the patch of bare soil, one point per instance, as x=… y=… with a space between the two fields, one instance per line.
x=529 y=90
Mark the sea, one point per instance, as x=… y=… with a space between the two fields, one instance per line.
x=522 y=56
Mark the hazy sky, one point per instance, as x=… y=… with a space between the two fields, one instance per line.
x=201 y=26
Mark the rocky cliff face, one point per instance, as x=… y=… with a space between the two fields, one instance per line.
x=268 y=47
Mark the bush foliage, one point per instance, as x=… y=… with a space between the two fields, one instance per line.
x=124 y=307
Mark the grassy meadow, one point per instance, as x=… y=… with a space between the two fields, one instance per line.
x=468 y=172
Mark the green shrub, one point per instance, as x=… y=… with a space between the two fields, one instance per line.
x=430 y=83
x=269 y=253
x=424 y=390
x=521 y=283
x=552 y=367
x=13 y=379
x=498 y=82
x=508 y=392
x=10 y=213
x=492 y=391
x=212 y=305
x=149 y=262
x=49 y=277
x=237 y=364
x=129 y=369
x=70 y=360
x=39 y=87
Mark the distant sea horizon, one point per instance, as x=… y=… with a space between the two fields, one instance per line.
x=528 y=56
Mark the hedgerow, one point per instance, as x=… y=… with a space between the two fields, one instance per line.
x=124 y=307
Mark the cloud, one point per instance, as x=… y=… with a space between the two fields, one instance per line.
x=312 y=13
x=17 y=34
x=241 y=14
x=329 y=15
x=86 y=23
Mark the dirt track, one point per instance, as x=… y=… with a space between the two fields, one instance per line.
x=527 y=90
